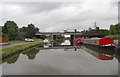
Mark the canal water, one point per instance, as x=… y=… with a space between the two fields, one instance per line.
x=63 y=59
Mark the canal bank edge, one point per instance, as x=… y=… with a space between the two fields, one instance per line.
x=13 y=50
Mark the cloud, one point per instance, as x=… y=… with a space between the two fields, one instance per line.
x=57 y=16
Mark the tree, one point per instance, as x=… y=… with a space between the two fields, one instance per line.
x=31 y=30
x=23 y=29
x=104 y=31
x=112 y=29
x=97 y=28
x=83 y=31
x=10 y=28
x=90 y=29
x=11 y=34
x=117 y=28
x=10 y=25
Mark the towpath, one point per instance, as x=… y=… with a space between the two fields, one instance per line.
x=15 y=44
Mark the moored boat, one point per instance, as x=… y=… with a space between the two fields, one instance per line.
x=78 y=41
x=104 y=42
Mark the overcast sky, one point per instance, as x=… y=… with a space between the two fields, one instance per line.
x=57 y=16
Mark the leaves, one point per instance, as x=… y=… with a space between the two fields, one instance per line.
x=10 y=28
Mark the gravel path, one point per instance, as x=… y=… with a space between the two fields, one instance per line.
x=15 y=44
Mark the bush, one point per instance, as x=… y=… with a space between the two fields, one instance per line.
x=4 y=35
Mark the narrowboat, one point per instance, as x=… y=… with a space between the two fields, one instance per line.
x=78 y=41
x=104 y=42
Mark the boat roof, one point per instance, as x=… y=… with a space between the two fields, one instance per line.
x=97 y=39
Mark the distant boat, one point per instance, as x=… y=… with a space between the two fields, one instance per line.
x=78 y=41
x=46 y=40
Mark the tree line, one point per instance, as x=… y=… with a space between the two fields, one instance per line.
x=13 y=32
x=113 y=30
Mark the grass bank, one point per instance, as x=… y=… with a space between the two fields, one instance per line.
x=13 y=50
x=35 y=39
x=15 y=41
x=19 y=41
x=112 y=36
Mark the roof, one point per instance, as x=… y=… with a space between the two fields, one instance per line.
x=97 y=39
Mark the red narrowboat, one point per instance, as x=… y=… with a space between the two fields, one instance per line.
x=100 y=42
x=78 y=41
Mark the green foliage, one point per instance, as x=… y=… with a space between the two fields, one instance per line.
x=60 y=37
x=104 y=31
x=111 y=30
x=4 y=35
x=29 y=31
x=83 y=31
x=10 y=28
x=12 y=34
x=114 y=29
x=23 y=29
x=20 y=37
x=112 y=36
x=90 y=29
x=97 y=29
x=117 y=28
x=10 y=25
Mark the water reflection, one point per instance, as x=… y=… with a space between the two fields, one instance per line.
x=47 y=45
x=100 y=53
x=66 y=42
x=108 y=50
x=63 y=59
x=117 y=55
x=31 y=53
x=12 y=59
x=96 y=52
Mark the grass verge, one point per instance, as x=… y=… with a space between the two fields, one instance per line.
x=38 y=39
x=13 y=50
x=15 y=41
x=112 y=36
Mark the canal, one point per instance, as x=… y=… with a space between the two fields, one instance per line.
x=63 y=59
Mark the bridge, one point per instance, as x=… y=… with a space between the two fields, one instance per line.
x=86 y=34
x=72 y=34
x=58 y=33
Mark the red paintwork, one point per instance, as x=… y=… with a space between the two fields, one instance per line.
x=104 y=57
x=79 y=40
x=105 y=41
x=78 y=47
